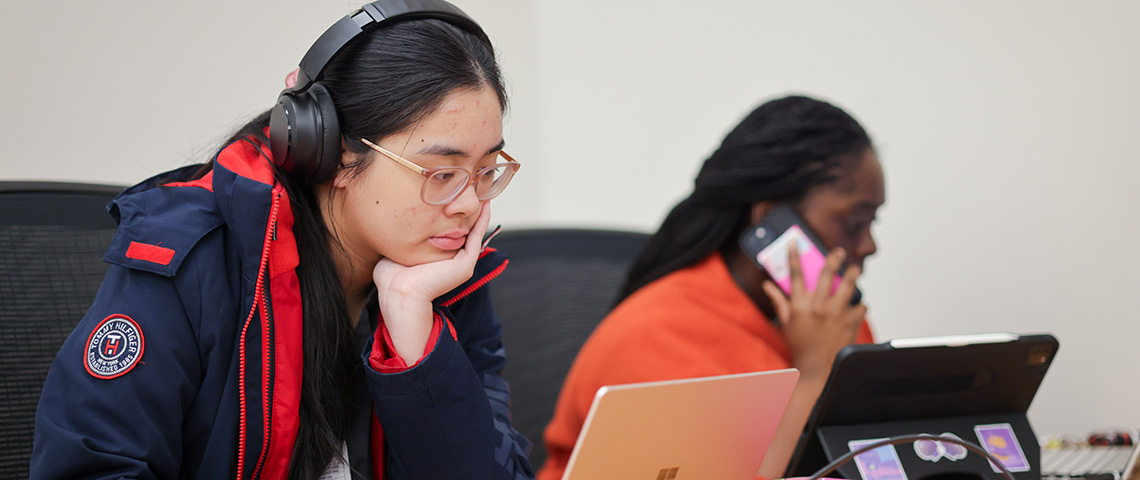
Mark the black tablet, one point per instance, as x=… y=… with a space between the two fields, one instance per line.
x=976 y=387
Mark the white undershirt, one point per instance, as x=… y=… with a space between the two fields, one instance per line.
x=338 y=467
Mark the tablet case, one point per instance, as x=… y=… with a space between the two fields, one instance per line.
x=979 y=392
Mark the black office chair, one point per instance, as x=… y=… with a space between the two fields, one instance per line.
x=52 y=239
x=560 y=283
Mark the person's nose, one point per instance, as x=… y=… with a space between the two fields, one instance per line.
x=867 y=247
x=467 y=203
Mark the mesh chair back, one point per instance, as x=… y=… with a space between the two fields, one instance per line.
x=560 y=283
x=52 y=240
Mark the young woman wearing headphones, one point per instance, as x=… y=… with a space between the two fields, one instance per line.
x=308 y=304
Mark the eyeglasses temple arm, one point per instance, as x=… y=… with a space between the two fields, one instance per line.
x=508 y=157
x=400 y=160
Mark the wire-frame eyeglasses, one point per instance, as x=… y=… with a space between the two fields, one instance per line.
x=443 y=185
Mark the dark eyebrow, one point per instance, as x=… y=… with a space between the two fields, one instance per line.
x=446 y=151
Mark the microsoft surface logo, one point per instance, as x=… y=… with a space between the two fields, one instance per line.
x=667 y=473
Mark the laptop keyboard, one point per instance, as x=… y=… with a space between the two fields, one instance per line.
x=1094 y=463
x=1102 y=457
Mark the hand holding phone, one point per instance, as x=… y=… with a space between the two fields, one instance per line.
x=815 y=323
x=767 y=243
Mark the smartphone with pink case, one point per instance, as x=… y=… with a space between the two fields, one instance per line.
x=766 y=243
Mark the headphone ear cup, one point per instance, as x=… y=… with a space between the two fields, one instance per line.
x=327 y=155
x=304 y=134
x=291 y=133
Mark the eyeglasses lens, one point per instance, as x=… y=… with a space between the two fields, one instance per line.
x=490 y=181
x=445 y=185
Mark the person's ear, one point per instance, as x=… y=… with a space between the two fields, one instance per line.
x=761 y=210
x=291 y=78
x=342 y=178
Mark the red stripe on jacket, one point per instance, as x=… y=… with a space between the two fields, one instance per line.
x=150 y=253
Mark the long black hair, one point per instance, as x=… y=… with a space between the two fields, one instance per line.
x=779 y=151
x=381 y=84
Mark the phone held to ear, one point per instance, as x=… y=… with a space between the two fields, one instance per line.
x=766 y=243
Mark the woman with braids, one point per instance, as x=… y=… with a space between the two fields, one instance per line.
x=695 y=305
x=309 y=304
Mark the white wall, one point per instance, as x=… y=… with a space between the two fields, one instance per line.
x=1007 y=131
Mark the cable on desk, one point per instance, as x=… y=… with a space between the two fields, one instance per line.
x=909 y=439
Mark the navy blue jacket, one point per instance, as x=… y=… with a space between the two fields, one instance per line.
x=188 y=364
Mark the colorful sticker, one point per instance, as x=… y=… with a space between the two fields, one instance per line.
x=881 y=463
x=999 y=440
x=933 y=450
x=114 y=347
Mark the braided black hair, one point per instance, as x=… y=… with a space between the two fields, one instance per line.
x=779 y=151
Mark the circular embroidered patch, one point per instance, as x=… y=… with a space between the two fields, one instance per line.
x=114 y=347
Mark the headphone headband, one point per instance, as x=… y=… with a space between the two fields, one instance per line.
x=375 y=14
x=304 y=133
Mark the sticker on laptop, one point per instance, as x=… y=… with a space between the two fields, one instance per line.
x=933 y=450
x=881 y=463
x=999 y=440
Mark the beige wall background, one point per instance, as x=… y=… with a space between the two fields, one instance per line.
x=1008 y=131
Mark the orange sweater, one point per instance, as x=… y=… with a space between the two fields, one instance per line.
x=694 y=322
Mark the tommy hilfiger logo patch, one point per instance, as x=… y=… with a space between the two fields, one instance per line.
x=114 y=347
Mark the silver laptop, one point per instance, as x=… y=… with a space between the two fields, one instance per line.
x=698 y=428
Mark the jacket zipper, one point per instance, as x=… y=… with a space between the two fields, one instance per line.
x=267 y=374
x=260 y=302
x=477 y=285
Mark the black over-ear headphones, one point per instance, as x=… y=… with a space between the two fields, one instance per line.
x=304 y=134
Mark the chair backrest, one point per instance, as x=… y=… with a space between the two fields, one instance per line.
x=560 y=283
x=52 y=239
